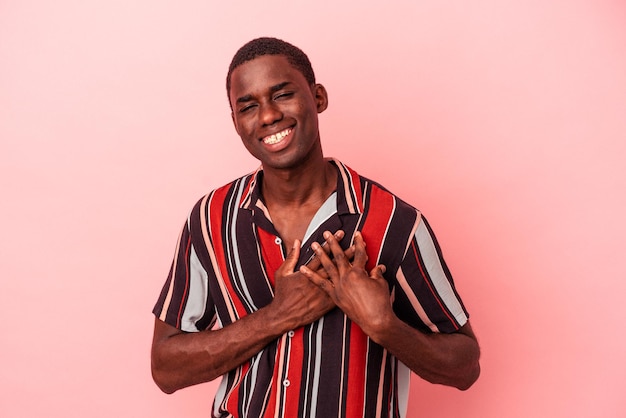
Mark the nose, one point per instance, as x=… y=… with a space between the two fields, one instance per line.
x=270 y=113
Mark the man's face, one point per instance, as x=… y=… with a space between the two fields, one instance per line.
x=275 y=111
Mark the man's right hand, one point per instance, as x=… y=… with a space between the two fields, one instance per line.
x=181 y=359
x=297 y=300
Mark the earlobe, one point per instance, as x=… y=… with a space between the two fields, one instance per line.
x=321 y=98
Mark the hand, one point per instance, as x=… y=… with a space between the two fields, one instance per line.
x=297 y=300
x=364 y=297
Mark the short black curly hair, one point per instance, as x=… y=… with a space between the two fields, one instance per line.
x=271 y=46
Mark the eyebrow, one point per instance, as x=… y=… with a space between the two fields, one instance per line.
x=273 y=89
x=279 y=86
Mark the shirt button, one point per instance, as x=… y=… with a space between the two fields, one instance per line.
x=278 y=241
x=286 y=383
x=290 y=334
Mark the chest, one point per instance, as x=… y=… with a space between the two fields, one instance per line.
x=291 y=225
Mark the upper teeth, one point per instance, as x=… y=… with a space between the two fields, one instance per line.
x=276 y=138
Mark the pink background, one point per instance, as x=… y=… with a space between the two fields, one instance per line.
x=504 y=122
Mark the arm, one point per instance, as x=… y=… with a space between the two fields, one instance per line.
x=449 y=359
x=181 y=359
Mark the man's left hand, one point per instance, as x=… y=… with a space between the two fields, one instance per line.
x=364 y=297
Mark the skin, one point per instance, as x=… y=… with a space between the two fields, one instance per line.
x=268 y=96
x=181 y=359
x=448 y=359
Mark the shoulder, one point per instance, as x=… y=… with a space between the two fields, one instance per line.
x=376 y=195
x=363 y=194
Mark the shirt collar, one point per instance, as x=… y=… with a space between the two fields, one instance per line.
x=349 y=194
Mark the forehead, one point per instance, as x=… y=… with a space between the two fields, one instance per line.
x=260 y=74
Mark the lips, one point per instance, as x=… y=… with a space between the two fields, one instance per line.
x=277 y=137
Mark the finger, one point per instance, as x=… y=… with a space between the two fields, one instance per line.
x=336 y=250
x=324 y=258
x=322 y=272
x=360 y=256
x=292 y=257
x=313 y=262
x=378 y=271
x=317 y=279
x=350 y=253
x=339 y=234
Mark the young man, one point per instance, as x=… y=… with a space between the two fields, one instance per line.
x=326 y=289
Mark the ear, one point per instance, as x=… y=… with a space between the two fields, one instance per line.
x=321 y=97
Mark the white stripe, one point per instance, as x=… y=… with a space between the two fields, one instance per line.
x=404 y=383
x=318 y=366
x=219 y=395
x=198 y=293
x=328 y=209
x=432 y=263
x=251 y=376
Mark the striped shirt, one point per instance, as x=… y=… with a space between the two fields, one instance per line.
x=224 y=268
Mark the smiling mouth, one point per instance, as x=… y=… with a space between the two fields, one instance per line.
x=277 y=137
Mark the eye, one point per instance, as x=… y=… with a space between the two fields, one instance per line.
x=246 y=108
x=283 y=95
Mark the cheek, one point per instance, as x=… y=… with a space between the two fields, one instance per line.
x=235 y=122
x=243 y=127
x=251 y=149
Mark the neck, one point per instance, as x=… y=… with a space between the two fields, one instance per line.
x=309 y=183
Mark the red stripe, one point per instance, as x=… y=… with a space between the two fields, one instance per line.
x=270 y=252
x=380 y=211
x=294 y=374
x=355 y=394
x=432 y=290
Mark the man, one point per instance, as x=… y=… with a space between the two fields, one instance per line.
x=323 y=285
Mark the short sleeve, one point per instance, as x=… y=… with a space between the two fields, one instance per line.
x=425 y=296
x=184 y=301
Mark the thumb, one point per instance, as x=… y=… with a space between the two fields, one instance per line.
x=292 y=257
